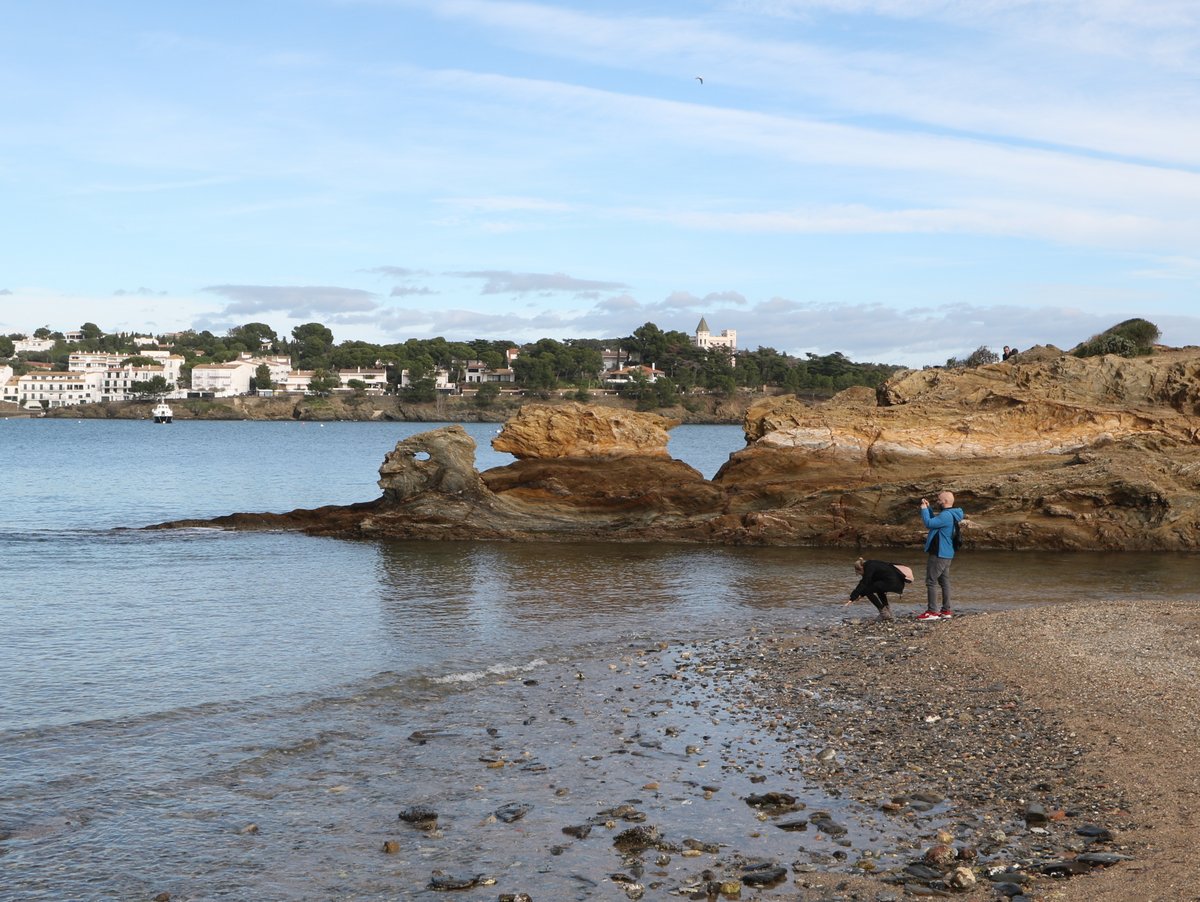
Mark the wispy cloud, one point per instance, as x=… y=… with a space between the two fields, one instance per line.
x=520 y=283
x=296 y=301
x=404 y=291
x=397 y=272
x=141 y=292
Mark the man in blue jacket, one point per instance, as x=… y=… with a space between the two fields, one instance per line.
x=939 y=546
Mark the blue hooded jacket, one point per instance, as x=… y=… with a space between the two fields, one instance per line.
x=942 y=526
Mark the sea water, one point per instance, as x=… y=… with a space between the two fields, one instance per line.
x=232 y=715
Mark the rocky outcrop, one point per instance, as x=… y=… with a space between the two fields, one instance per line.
x=579 y=431
x=1044 y=451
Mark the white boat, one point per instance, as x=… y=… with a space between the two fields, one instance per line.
x=162 y=413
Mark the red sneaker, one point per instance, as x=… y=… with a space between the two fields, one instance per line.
x=947 y=614
x=929 y=616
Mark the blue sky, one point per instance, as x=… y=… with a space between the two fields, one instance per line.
x=898 y=180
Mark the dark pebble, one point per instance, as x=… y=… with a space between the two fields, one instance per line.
x=419 y=816
x=637 y=838
x=828 y=826
x=512 y=812
x=923 y=872
x=763 y=875
x=444 y=882
x=793 y=825
x=1063 y=868
x=1102 y=859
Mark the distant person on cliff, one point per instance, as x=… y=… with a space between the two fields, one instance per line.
x=879 y=578
x=939 y=546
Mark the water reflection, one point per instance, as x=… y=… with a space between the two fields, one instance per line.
x=535 y=596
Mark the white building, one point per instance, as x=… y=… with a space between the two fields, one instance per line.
x=293 y=380
x=705 y=340
x=32 y=345
x=118 y=381
x=280 y=366
x=46 y=389
x=85 y=361
x=613 y=359
x=628 y=375
x=441 y=380
x=118 y=378
x=476 y=371
x=223 y=380
x=8 y=385
x=375 y=380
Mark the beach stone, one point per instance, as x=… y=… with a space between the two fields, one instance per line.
x=390 y=846
x=1035 y=813
x=512 y=812
x=446 y=882
x=940 y=856
x=773 y=802
x=827 y=825
x=1096 y=832
x=763 y=874
x=1061 y=867
x=961 y=878
x=1102 y=859
x=420 y=816
x=515 y=897
x=794 y=826
x=579 y=831
x=635 y=839
x=923 y=872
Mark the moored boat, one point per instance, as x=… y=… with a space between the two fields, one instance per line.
x=162 y=413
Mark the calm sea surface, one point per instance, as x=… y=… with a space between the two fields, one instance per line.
x=160 y=692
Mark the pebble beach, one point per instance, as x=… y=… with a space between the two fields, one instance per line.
x=1034 y=754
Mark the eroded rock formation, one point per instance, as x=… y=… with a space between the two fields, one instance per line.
x=1044 y=451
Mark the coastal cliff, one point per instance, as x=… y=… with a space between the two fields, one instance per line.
x=1044 y=451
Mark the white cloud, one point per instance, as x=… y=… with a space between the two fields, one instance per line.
x=520 y=283
x=298 y=302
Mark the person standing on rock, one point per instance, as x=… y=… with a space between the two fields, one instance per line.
x=939 y=546
x=879 y=578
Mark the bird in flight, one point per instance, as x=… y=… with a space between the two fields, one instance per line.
x=699 y=79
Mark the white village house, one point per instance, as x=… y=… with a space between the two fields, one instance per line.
x=46 y=389
x=223 y=380
x=8 y=385
x=374 y=380
x=627 y=375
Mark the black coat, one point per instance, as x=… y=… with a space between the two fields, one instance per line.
x=878 y=576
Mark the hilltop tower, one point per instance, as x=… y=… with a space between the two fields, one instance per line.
x=704 y=339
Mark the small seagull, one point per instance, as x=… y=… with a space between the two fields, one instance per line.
x=699 y=79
